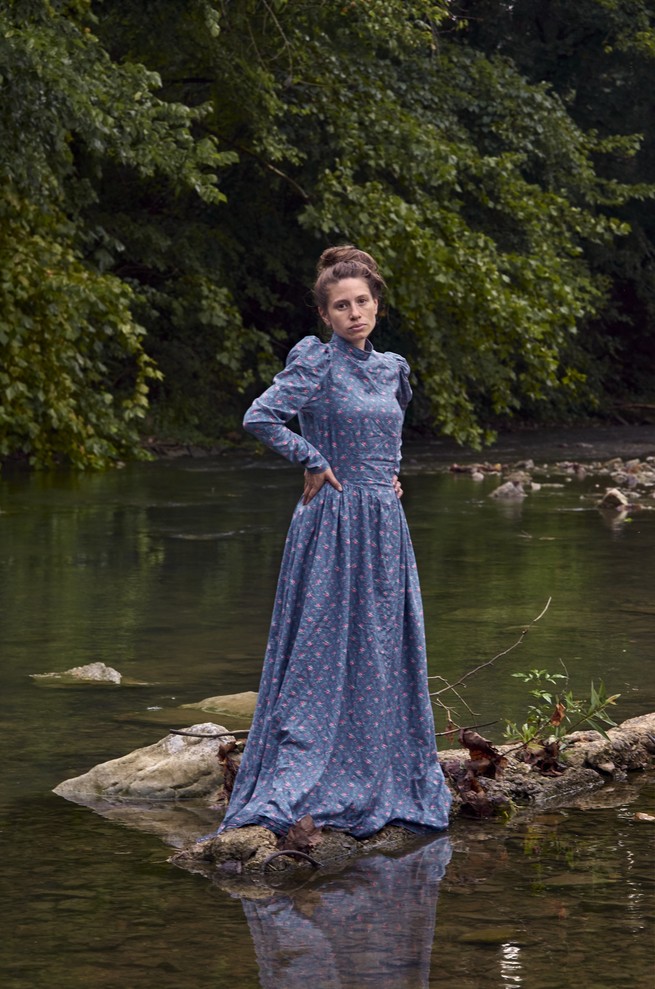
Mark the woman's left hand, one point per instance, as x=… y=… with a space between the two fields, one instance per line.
x=396 y=486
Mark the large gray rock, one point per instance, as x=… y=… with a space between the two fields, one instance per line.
x=174 y=768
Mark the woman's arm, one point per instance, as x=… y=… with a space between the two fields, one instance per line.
x=293 y=389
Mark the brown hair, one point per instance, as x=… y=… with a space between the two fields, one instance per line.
x=346 y=261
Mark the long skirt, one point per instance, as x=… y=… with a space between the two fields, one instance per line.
x=343 y=728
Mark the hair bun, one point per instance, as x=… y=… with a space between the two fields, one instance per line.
x=345 y=253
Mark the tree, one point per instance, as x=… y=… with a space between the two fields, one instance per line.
x=370 y=122
x=598 y=56
x=394 y=125
x=74 y=374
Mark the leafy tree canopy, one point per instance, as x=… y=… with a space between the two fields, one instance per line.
x=599 y=57
x=412 y=129
x=74 y=374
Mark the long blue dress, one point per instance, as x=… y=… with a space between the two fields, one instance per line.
x=343 y=728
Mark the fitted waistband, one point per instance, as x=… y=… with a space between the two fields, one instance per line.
x=366 y=475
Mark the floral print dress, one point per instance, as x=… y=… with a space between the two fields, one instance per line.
x=343 y=728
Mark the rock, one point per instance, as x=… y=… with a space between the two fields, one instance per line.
x=174 y=768
x=238 y=705
x=91 y=673
x=613 y=499
x=630 y=746
x=181 y=770
x=245 y=852
x=229 y=853
x=511 y=489
x=477 y=475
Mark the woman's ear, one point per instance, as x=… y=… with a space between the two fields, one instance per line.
x=324 y=316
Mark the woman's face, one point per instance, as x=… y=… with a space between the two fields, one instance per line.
x=351 y=310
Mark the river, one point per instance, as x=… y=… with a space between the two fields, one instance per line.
x=166 y=571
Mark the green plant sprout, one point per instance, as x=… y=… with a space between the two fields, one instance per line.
x=557 y=712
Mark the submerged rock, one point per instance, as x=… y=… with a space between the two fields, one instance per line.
x=614 y=499
x=253 y=852
x=510 y=489
x=177 y=823
x=91 y=673
x=238 y=705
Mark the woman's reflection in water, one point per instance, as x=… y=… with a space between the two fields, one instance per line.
x=372 y=925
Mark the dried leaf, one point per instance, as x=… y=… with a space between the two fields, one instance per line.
x=542 y=756
x=557 y=716
x=303 y=836
x=476 y=802
x=225 y=748
x=485 y=759
x=229 y=756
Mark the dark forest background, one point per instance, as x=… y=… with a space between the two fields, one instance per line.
x=170 y=171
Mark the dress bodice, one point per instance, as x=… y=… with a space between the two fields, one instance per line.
x=350 y=404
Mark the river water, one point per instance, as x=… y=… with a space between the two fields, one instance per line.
x=166 y=571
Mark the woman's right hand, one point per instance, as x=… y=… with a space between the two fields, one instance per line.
x=314 y=483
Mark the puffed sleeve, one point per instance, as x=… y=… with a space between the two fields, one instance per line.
x=404 y=391
x=292 y=390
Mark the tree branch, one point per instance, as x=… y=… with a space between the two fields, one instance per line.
x=482 y=666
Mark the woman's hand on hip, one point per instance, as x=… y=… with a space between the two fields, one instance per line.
x=397 y=486
x=314 y=483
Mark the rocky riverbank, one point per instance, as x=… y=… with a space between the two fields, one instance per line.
x=152 y=788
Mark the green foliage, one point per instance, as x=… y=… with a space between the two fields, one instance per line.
x=502 y=197
x=66 y=343
x=558 y=712
x=75 y=375
x=599 y=57
x=485 y=227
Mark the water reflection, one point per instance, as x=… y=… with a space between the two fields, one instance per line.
x=370 y=926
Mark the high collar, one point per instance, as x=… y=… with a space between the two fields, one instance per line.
x=344 y=347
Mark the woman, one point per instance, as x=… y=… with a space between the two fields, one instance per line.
x=343 y=728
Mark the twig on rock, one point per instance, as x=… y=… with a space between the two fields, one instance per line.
x=288 y=851
x=452 y=731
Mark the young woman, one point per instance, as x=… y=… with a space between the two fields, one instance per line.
x=343 y=728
